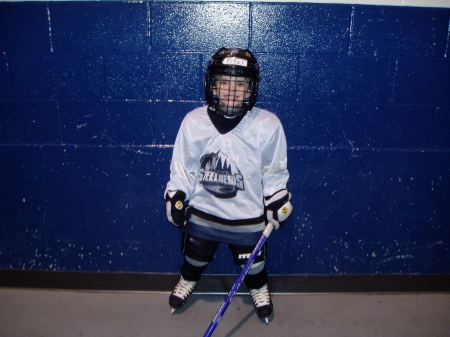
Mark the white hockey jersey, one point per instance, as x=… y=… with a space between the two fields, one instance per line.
x=226 y=176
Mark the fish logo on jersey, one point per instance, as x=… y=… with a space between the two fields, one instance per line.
x=220 y=176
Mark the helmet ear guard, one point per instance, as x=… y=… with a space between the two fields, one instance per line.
x=235 y=63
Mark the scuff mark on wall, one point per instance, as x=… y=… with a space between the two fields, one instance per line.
x=50 y=36
x=351 y=31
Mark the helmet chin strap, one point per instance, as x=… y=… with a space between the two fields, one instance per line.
x=229 y=112
x=229 y=117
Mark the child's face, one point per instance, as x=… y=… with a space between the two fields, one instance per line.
x=231 y=91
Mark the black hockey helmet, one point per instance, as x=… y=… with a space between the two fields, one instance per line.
x=233 y=62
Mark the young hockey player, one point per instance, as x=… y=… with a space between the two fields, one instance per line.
x=228 y=176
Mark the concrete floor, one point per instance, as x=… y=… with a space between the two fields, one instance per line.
x=62 y=313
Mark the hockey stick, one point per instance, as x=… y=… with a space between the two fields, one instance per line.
x=226 y=302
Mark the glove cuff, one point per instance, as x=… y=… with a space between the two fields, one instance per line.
x=175 y=195
x=278 y=208
x=277 y=199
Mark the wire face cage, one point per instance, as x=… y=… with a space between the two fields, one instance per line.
x=232 y=94
x=231 y=82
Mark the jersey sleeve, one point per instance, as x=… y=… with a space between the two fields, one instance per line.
x=183 y=164
x=274 y=162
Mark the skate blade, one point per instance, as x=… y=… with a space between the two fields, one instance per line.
x=172 y=311
x=266 y=320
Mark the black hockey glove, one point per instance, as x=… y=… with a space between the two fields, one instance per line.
x=176 y=208
x=278 y=208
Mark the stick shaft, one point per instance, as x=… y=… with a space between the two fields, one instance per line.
x=215 y=322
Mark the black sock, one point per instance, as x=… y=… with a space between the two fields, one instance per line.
x=256 y=281
x=190 y=272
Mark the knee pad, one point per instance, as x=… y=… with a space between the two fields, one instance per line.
x=242 y=253
x=199 y=249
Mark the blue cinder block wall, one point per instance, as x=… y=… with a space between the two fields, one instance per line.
x=92 y=94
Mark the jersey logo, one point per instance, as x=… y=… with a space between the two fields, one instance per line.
x=220 y=176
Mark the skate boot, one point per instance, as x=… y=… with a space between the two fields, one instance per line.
x=180 y=293
x=262 y=302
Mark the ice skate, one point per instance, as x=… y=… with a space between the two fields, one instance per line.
x=180 y=293
x=262 y=302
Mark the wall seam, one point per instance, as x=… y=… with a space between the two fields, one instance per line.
x=446 y=51
x=250 y=26
x=149 y=26
x=60 y=126
x=8 y=76
x=201 y=74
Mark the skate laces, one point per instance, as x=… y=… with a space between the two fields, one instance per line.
x=184 y=288
x=260 y=296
